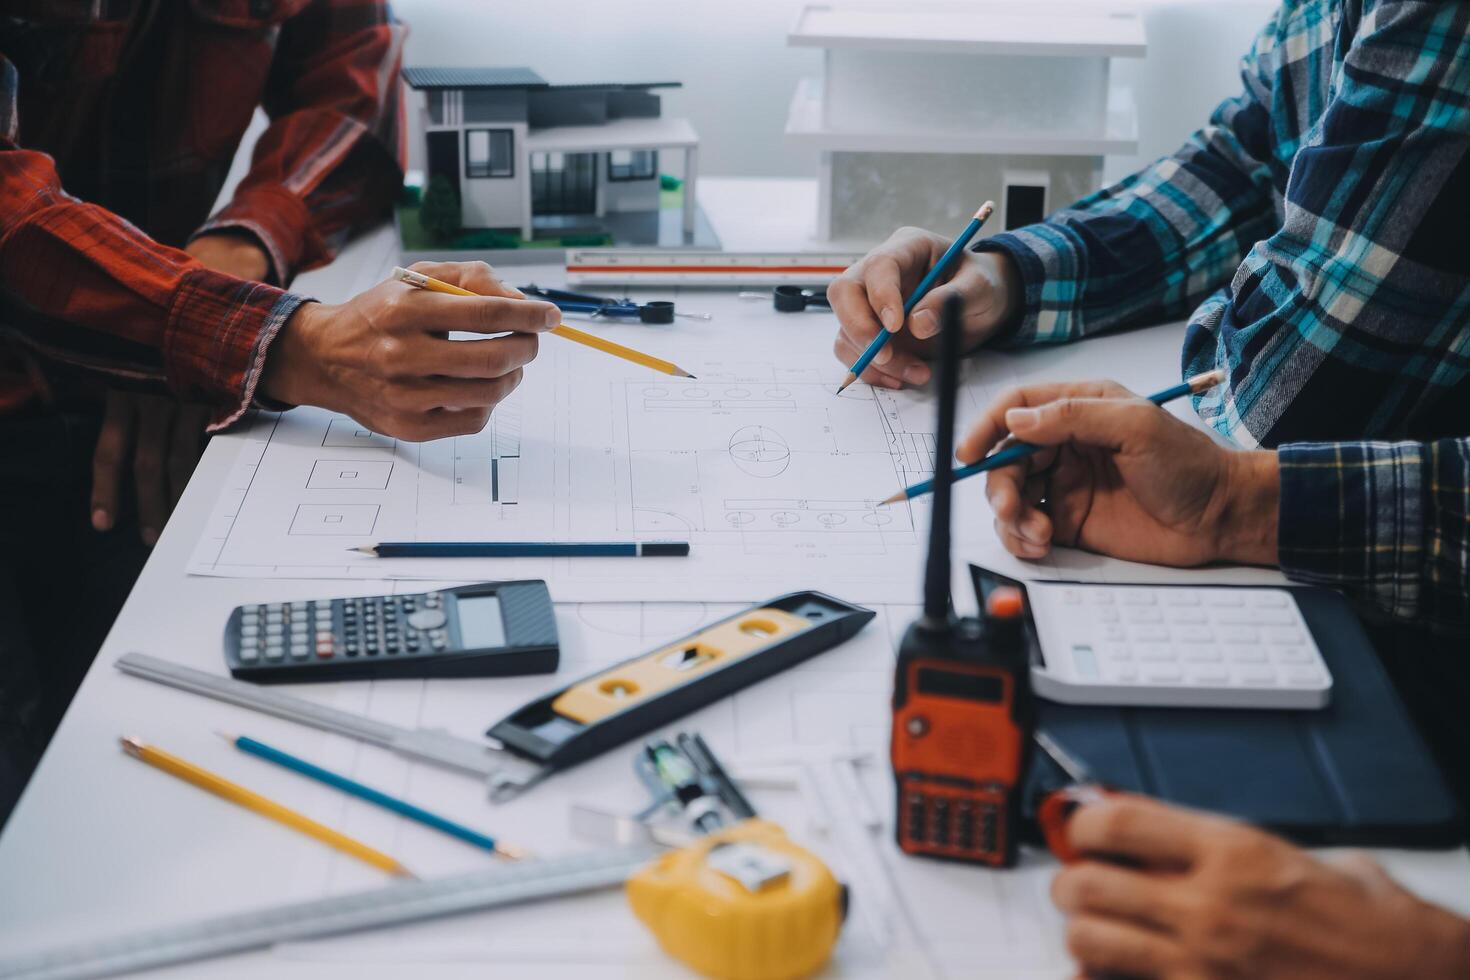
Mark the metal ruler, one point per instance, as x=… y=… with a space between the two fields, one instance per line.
x=485 y=759
x=667 y=267
x=393 y=905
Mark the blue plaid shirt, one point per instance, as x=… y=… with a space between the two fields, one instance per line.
x=1387 y=522
x=1316 y=232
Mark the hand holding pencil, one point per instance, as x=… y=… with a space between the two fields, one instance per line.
x=1118 y=475
x=869 y=300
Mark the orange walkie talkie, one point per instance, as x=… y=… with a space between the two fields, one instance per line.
x=962 y=709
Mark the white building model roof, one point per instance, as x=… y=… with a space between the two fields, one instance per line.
x=1027 y=27
x=952 y=77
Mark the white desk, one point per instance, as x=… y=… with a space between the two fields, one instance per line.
x=100 y=844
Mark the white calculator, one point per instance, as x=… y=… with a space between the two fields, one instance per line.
x=1174 y=646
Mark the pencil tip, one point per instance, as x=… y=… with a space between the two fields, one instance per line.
x=896 y=497
x=846 y=381
x=985 y=210
x=510 y=853
x=366 y=549
x=225 y=735
x=686 y=374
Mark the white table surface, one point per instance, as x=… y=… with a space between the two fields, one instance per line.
x=100 y=844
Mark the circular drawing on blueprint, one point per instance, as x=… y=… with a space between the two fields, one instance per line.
x=759 y=451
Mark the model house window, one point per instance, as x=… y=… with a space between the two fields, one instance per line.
x=632 y=165
x=489 y=153
x=436 y=107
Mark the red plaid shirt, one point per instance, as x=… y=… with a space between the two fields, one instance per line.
x=118 y=122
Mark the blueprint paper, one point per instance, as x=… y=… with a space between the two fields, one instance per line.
x=909 y=918
x=774 y=479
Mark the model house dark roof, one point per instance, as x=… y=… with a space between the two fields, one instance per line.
x=619 y=86
x=437 y=78
x=502 y=78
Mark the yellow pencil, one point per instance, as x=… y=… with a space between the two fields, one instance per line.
x=239 y=795
x=569 y=333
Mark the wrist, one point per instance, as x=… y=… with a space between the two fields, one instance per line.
x=234 y=253
x=1252 y=504
x=290 y=372
x=996 y=293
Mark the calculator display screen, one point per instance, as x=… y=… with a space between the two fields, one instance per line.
x=480 y=623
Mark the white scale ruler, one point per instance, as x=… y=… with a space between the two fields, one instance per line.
x=353 y=912
x=669 y=267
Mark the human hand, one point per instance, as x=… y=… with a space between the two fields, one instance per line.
x=869 y=297
x=1206 y=898
x=161 y=439
x=383 y=356
x=1122 y=477
x=234 y=254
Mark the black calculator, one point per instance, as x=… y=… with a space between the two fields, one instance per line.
x=487 y=630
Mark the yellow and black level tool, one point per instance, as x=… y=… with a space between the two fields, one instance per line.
x=614 y=705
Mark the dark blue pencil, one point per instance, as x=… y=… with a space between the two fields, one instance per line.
x=354 y=788
x=526 y=549
x=1020 y=450
x=925 y=284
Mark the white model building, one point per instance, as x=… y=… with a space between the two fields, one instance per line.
x=543 y=160
x=926 y=109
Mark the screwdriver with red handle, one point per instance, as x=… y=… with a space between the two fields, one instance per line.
x=1057 y=806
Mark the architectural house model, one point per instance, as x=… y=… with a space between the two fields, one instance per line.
x=538 y=161
x=926 y=109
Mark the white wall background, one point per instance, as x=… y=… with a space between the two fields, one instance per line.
x=739 y=74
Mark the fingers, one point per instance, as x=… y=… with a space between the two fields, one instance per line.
x=439 y=423
x=1108 y=947
x=883 y=280
x=481 y=359
x=924 y=321
x=435 y=408
x=114 y=443
x=868 y=298
x=1015 y=493
x=490 y=314
x=150 y=476
x=847 y=352
x=1106 y=423
x=457 y=394
x=1110 y=891
x=477 y=277
x=992 y=426
x=1142 y=830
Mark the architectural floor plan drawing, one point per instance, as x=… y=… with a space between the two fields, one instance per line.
x=757 y=462
x=927 y=920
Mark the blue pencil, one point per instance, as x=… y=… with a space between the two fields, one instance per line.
x=526 y=549
x=925 y=284
x=1020 y=450
x=354 y=788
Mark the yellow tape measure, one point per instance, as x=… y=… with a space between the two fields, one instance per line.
x=744 y=903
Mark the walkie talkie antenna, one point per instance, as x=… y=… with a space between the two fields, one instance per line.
x=936 y=576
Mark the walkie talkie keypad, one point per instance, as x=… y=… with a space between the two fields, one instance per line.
x=481 y=630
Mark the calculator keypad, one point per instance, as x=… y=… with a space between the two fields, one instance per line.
x=371 y=627
x=1176 y=637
